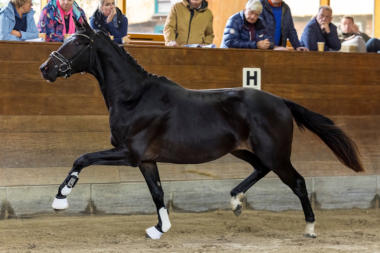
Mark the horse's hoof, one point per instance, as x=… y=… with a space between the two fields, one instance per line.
x=310 y=235
x=237 y=203
x=309 y=230
x=238 y=210
x=153 y=233
x=60 y=204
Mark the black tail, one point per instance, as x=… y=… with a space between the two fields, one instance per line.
x=342 y=146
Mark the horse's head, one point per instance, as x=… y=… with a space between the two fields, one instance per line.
x=74 y=56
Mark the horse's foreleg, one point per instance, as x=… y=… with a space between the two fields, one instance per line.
x=237 y=193
x=152 y=178
x=107 y=157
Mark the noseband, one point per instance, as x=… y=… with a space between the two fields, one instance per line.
x=64 y=65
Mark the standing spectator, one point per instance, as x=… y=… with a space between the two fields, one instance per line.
x=110 y=20
x=16 y=21
x=246 y=30
x=189 y=22
x=320 y=29
x=279 y=22
x=56 y=19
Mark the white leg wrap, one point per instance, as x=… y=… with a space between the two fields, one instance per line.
x=237 y=200
x=166 y=225
x=60 y=204
x=66 y=190
x=153 y=233
x=309 y=230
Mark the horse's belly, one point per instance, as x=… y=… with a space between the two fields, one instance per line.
x=196 y=151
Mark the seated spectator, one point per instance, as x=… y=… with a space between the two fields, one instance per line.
x=56 y=19
x=246 y=30
x=16 y=21
x=320 y=29
x=349 y=35
x=351 y=31
x=279 y=22
x=349 y=28
x=110 y=20
x=373 y=45
x=189 y=22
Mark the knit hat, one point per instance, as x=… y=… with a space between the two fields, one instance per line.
x=254 y=5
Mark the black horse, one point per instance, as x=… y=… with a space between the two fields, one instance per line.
x=153 y=119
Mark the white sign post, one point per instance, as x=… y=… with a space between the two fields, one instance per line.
x=252 y=78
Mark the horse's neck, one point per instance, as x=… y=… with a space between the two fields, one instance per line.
x=119 y=78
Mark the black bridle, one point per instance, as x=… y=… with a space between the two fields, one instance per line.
x=64 y=65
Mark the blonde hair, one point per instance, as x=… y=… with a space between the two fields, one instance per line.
x=18 y=3
x=254 y=5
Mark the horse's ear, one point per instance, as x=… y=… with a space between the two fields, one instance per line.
x=85 y=25
x=78 y=25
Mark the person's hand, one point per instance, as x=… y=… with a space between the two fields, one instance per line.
x=302 y=49
x=16 y=33
x=355 y=29
x=325 y=27
x=263 y=44
x=112 y=14
x=277 y=48
x=172 y=43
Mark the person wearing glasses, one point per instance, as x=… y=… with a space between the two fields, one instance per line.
x=320 y=29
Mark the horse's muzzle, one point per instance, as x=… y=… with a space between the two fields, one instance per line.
x=47 y=73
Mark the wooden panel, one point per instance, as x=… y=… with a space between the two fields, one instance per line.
x=46 y=146
x=44 y=127
x=324 y=2
x=221 y=11
x=376 y=17
x=146 y=36
x=317 y=80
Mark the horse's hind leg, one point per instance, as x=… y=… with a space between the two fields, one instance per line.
x=107 y=157
x=152 y=178
x=296 y=182
x=237 y=193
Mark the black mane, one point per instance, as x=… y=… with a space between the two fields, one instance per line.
x=122 y=52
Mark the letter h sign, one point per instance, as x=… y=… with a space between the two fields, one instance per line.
x=252 y=78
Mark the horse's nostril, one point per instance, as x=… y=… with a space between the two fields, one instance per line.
x=44 y=68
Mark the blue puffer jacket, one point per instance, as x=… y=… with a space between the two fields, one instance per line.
x=237 y=34
x=8 y=21
x=287 y=26
x=312 y=34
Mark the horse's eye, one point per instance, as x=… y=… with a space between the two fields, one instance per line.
x=76 y=43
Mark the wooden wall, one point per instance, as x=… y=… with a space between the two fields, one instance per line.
x=330 y=83
x=222 y=10
x=44 y=127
